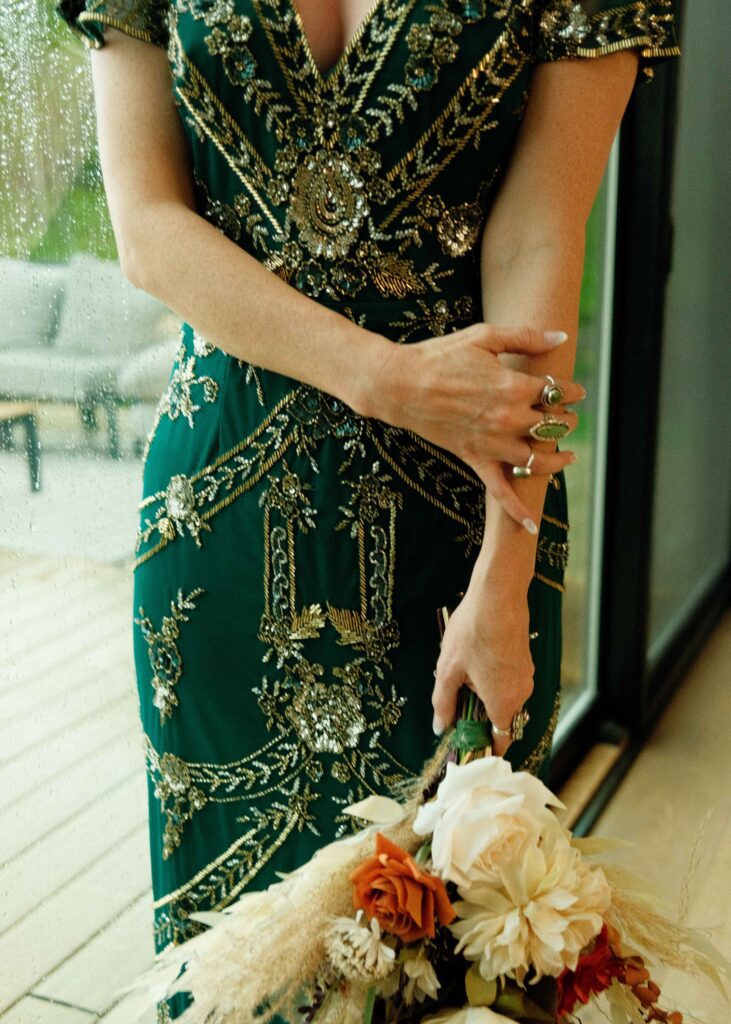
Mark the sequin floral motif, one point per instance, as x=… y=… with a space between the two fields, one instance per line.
x=568 y=28
x=432 y=44
x=165 y=659
x=330 y=715
x=178 y=397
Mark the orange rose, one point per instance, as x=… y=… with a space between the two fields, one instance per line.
x=405 y=900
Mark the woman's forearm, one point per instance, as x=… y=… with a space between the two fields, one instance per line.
x=231 y=299
x=539 y=285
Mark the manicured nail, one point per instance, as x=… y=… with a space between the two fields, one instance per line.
x=530 y=526
x=573 y=457
x=438 y=726
x=555 y=337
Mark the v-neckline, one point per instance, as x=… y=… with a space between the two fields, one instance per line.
x=325 y=77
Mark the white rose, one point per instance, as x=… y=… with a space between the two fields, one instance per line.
x=469 y=1015
x=483 y=815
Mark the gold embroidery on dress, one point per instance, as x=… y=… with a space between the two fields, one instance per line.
x=141 y=19
x=541 y=749
x=309 y=715
x=464 y=118
x=568 y=29
x=177 y=400
x=196 y=498
x=164 y=653
x=556 y=553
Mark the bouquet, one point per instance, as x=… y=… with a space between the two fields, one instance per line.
x=464 y=902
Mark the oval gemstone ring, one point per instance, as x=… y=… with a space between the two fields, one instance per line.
x=548 y=428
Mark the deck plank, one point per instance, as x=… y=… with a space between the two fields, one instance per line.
x=39 y=1011
x=21 y=733
x=58 y=610
x=96 y=627
x=113 y=958
x=59 y=856
x=38 y=812
x=48 y=688
x=73 y=916
x=39 y=765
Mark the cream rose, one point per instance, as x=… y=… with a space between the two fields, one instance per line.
x=484 y=814
x=469 y=1015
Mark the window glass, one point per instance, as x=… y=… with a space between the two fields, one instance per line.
x=83 y=358
x=691 y=530
x=585 y=479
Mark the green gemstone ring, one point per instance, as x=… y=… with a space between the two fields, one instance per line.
x=552 y=393
x=549 y=427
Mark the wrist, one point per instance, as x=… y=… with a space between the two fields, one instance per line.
x=370 y=385
x=506 y=578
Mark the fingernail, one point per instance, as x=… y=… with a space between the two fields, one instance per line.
x=584 y=392
x=573 y=457
x=530 y=526
x=438 y=726
x=555 y=337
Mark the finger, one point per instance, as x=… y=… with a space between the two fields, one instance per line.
x=447 y=684
x=500 y=744
x=522 y=339
x=494 y=479
x=544 y=461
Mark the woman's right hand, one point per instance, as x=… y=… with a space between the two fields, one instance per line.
x=453 y=390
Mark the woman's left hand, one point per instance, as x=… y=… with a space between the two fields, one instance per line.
x=486 y=646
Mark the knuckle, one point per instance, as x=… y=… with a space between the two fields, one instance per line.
x=501 y=418
x=525 y=335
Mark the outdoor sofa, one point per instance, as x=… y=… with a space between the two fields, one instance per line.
x=81 y=333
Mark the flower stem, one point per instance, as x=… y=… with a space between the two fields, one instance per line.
x=369 y=1005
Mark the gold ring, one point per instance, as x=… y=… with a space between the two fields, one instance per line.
x=549 y=427
x=521 y=471
x=552 y=393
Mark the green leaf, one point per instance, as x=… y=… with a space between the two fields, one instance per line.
x=479 y=991
x=516 y=1003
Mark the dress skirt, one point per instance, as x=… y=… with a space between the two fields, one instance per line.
x=291 y=558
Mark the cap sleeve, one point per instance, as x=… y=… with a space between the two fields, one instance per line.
x=591 y=28
x=143 y=19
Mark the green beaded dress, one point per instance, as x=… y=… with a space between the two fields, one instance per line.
x=291 y=554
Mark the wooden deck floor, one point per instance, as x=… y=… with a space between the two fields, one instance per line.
x=75 y=900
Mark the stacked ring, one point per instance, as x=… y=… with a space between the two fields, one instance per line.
x=521 y=471
x=552 y=393
x=517 y=726
x=549 y=427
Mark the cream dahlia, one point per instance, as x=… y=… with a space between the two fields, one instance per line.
x=541 y=911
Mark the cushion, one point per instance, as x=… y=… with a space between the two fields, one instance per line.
x=103 y=312
x=145 y=375
x=46 y=375
x=30 y=294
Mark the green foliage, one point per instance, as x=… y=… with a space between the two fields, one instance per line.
x=81 y=223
